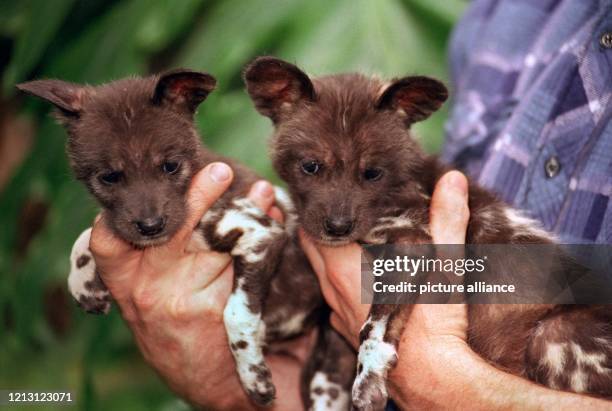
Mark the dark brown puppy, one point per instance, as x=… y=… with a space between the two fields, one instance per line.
x=342 y=143
x=133 y=143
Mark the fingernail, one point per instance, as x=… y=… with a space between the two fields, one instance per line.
x=219 y=172
x=262 y=189
x=455 y=180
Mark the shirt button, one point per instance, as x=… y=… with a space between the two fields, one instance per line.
x=606 y=40
x=552 y=167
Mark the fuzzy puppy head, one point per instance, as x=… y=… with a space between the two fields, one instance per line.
x=132 y=142
x=342 y=143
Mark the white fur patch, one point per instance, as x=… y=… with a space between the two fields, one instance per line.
x=378 y=234
x=524 y=225
x=243 y=325
x=327 y=395
x=242 y=217
x=554 y=358
x=401 y=221
x=579 y=380
x=292 y=325
x=283 y=201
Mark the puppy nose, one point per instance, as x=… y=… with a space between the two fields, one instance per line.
x=338 y=227
x=151 y=226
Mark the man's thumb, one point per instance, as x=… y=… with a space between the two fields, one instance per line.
x=206 y=188
x=449 y=209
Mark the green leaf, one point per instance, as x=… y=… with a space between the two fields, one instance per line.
x=164 y=21
x=42 y=21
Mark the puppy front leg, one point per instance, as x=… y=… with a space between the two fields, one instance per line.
x=255 y=242
x=246 y=333
x=378 y=342
x=84 y=282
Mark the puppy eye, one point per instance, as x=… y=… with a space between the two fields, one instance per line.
x=170 y=167
x=111 y=178
x=372 y=174
x=311 y=167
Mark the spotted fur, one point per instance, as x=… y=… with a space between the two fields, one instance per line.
x=376 y=358
x=327 y=395
x=84 y=283
x=372 y=176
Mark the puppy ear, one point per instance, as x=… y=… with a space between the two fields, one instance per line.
x=67 y=97
x=183 y=89
x=276 y=86
x=416 y=97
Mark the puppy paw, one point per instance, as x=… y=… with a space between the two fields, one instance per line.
x=98 y=303
x=91 y=294
x=376 y=357
x=369 y=392
x=84 y=282
x=258 y=384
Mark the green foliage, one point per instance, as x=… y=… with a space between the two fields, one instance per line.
x=96 y=41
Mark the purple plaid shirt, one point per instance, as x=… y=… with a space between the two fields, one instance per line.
x=532 y=106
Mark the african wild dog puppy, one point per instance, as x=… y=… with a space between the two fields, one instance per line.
x=133 y=143
x=342 y=144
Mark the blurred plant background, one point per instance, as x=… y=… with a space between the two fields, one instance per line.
x=45 y=341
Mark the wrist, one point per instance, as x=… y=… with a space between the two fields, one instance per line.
x=460 y=379
x=452 y=376
x=448 y=375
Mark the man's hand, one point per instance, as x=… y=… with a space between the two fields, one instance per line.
x=173 y=301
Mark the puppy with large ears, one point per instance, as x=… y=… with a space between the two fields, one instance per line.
x=342 y=143
x=133 y=143
x=129 y=136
